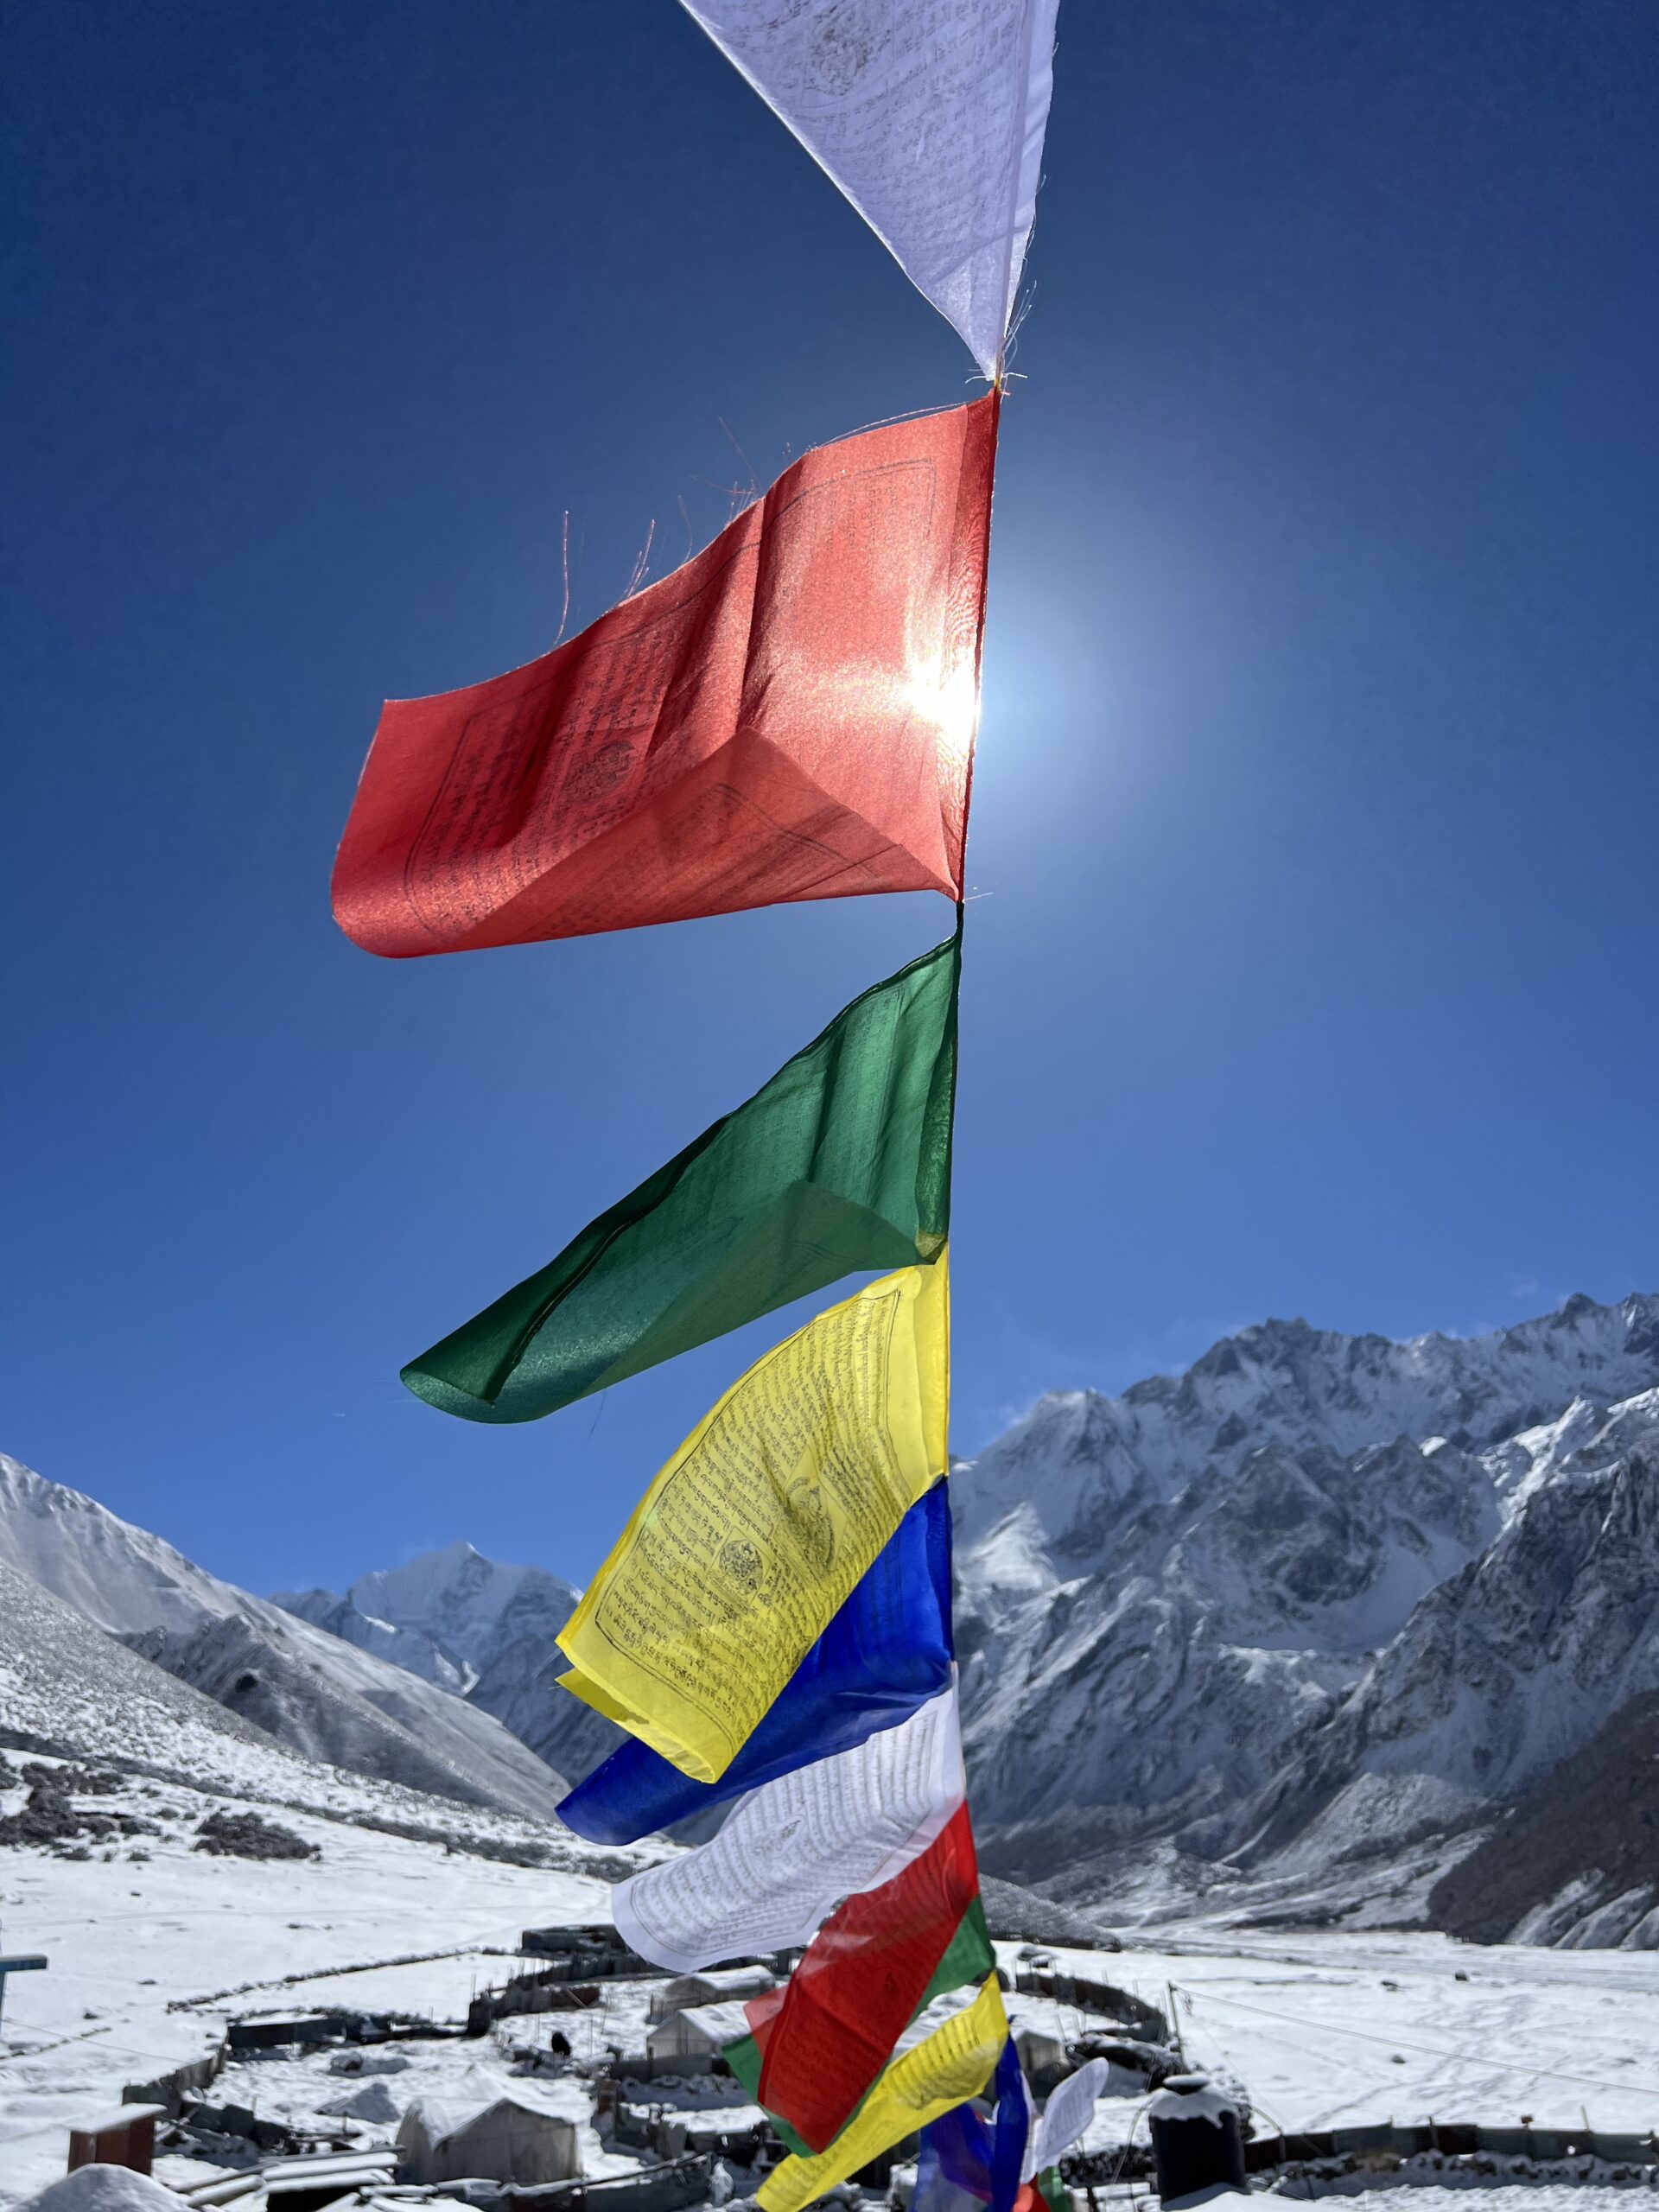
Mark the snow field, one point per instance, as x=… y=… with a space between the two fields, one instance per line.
x=1337 y=2029
x=149 y=1956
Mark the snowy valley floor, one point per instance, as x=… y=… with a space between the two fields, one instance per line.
x=149 y=1956
x=144 y=1955
x=1339 y=2028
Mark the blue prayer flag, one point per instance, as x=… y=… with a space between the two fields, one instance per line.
x=1012 y=2130
x=884 y=1653
x=953 y=2173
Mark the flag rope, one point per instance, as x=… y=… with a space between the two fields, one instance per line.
x=750 y=730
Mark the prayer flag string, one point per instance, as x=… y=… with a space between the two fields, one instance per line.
x=791 y=715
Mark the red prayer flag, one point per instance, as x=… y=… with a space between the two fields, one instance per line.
x=827 y=2033
x=789 y=715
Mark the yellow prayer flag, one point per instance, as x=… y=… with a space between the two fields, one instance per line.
x=758 y=1527
x=954 y=2064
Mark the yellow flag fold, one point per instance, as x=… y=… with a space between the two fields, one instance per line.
x=759 y=1526
x=953 y=2064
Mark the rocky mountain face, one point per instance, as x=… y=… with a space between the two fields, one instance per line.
x=520 y=1684
x=1282 y=1618
x=447 y=1616
x=307 y=1690
x=1512 y=1665
x=481 y=1629
x=1576 y=1861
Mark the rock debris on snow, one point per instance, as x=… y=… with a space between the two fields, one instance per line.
x=249 y=1835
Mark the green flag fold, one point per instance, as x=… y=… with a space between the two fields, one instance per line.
x=842 y=1162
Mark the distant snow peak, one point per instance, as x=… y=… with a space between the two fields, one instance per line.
x=308 y=1689
x=481 y=1628
x=447 y=1616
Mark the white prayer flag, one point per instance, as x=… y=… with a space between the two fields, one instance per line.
x=930 y=116
x=1067 y=2113
x=794 y=1848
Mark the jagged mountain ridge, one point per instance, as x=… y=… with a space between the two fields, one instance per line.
x=1079 y=1459
x=448 y=1615
x=308 y=1689
x=485 y=1630
x=1279 y=1655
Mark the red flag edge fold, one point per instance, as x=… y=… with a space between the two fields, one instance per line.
x=827 y=2033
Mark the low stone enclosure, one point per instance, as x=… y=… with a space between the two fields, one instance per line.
x=1451 y=2139
x=591 y=1953
x=666 y=2188
x=569 y=1980
x=1090 y=1996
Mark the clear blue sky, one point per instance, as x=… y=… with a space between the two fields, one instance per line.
x=1315 y=972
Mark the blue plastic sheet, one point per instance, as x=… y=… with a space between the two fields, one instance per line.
x=884 y=1653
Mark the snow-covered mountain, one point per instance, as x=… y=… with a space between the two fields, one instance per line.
x=68 y=1689
x=1512 y=1665
x=63 y=1681
x=520 y=1687
x=1311 y=1601
x=1078 y=1461
x=307 y=1690
x=481 y=1629
x=447 y=1614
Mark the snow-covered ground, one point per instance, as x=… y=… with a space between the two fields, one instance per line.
x=1338 y=2029
x=1543 y=2194
x=151 y=1955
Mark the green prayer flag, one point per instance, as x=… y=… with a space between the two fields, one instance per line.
x=1053 y=2191
x=840 y=1162
x=968 y=1956
x=745 y=2058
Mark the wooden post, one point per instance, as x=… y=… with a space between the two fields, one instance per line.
x=34 y=1964
x=126 y=2138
